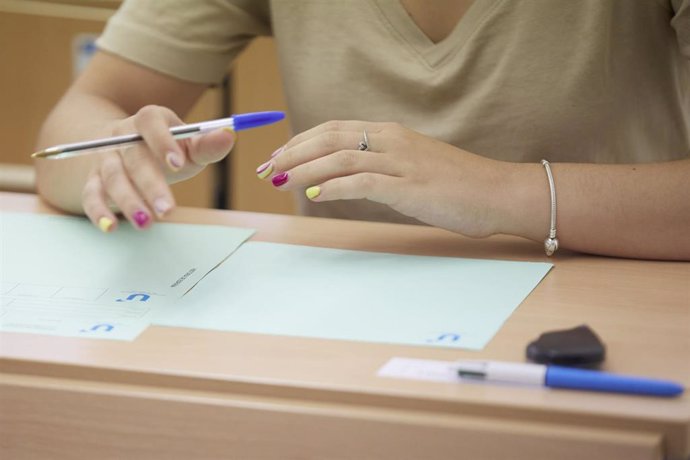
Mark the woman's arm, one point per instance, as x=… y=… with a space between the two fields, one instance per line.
x=639 y=211
x=115 y=96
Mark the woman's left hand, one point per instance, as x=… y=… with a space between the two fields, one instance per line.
x=418 y=176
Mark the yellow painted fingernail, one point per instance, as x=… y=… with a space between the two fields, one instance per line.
x=264 y=170
x=105 y=224
x=231 y=131
x=313 y=192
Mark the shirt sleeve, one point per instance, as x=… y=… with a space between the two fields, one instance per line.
x=193 y=40
x=681 y=24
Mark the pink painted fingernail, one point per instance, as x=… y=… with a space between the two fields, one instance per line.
x=280 y=179
x=173 y=161
x=278 y=152
x=161 y=206
x=141 y=218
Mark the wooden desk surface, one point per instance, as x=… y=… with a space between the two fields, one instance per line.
x=184 y=393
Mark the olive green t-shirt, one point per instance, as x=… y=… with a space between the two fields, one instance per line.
x=601 y=81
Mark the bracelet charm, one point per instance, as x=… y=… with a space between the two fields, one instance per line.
x=550 y=246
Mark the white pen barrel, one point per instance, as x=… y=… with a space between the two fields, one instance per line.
x=531 y=374
x=216 y=124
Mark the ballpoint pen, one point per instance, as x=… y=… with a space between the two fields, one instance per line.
x=236 y=122
x=565 y=377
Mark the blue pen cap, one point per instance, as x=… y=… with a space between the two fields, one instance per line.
x=585 y=379
x=252 y=120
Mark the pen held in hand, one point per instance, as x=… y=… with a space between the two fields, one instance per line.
x=235 y=122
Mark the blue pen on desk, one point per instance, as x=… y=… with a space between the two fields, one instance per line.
x=565 y=377
x=235 y=122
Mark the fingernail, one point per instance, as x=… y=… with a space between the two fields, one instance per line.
x=141 y=218
x=232 y=133
x=173 y=161
x=278 y=152
x=280 y=179
x=264 y=170
x=313 y=192
x=105 y=224
x=161 y=206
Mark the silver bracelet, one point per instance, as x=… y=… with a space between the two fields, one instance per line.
x=551 y=243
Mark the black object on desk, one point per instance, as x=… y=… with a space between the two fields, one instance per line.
x=579 y=346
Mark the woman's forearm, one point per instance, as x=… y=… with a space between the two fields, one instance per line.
x=109 y=90
x=638 y=211
x=77 y=117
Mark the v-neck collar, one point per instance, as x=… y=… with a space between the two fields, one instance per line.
x=434 y=53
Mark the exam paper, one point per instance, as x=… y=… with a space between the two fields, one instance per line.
x=282 y=289
x=61 y=276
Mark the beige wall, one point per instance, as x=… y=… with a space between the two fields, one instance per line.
x=36 y=56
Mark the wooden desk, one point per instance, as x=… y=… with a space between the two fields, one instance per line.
x=183 y=393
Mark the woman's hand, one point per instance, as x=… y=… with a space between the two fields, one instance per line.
x=434 y=182
x=135 y=178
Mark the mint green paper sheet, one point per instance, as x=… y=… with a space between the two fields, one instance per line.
x=305 y=291
x=61 y=276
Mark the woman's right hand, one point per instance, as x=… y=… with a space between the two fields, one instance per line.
x=135 y=178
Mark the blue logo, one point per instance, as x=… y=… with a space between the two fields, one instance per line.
x=446 y=337
x=105 y=327
x=142 y=298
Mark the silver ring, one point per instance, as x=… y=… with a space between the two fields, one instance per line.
x=364 y=143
